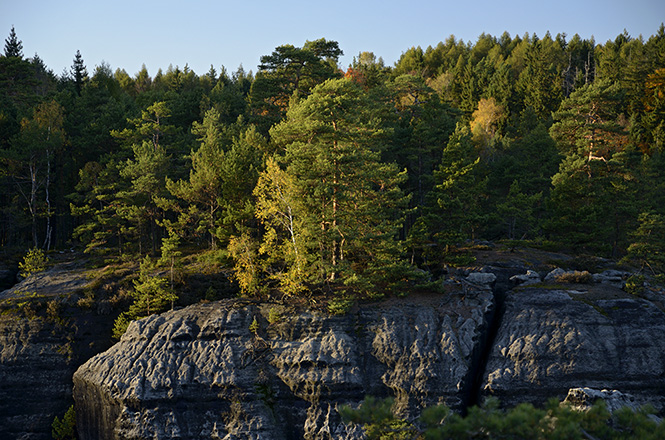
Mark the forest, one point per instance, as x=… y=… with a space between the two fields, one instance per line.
x=306 y=176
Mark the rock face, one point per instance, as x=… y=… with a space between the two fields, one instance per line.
x=553 y=340
x=201 y=373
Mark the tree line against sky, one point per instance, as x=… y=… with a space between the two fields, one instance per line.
x=311 y=176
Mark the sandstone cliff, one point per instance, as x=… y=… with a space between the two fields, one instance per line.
x=201 y=373
x=44 y=338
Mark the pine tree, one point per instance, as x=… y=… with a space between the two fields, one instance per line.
x=594 y=192
x=218 y=192
x=344 y=202
x=151 y=293
x=291 y=70
x=140 y=201
x=647 y=248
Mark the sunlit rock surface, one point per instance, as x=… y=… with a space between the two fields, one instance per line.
x=201 y=373
x=553 y=340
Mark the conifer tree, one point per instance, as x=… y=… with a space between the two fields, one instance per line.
x=145 y=173
x=594 y=192
x=13 y=46
x=79 y=72
x=218 y=192
x=456 y=204
x=341 y=201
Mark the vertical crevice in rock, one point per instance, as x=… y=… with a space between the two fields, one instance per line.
x=483 y=349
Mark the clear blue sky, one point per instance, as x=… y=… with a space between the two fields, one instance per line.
x=126 y=34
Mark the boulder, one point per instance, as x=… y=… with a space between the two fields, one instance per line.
x=482 y=279
x=614 y=278
x=530 y=277
x=554 y=275
x=583 y=399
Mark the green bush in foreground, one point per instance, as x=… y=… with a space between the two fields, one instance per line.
x=489 y=421
x=65 y=429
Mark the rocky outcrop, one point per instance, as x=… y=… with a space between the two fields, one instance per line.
x=201 y=373
x=582 y=399
x=34 y=378
x=553 y=340
x=207 y=372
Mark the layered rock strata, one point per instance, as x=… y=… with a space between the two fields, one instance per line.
x=201 y=372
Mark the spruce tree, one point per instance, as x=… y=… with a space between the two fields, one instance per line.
x=79 y=72
x=13 y=46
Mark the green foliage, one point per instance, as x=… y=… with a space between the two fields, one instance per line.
x=635 y=285
x=555 y=421
x=244 y=251
x=559 y=141
x=291 y=71
x=13 y=46
x=595 y=191
x=171 y=255
x=648 y=246
x=340 y=304
x=454 y=212
x=151 y=294
x=330 y=208
x=120 y=325
x=65 y=429
x=33 y=262
x=378 y=420
x=274 y=316
x=254 y=326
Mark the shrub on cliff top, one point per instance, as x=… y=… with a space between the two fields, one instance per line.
x=577 y=277
x=33 y=262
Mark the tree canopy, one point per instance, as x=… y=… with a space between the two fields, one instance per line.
x=308 y=176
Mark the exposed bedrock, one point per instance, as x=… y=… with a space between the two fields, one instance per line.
x=201 y=373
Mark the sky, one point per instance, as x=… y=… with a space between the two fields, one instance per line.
x=197 y=33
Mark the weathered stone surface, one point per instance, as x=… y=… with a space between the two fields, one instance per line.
x=583 y=399
x=553 y=340
x=34 y=377
x=613 y=277
x=200 y=373
x=59 y=280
